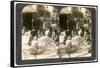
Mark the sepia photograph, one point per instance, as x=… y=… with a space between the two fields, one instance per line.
x=51 y=31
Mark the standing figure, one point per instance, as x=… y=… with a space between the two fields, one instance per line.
x=61 y=44
x=68 y=46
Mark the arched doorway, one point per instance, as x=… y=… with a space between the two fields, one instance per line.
x=66 y=20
